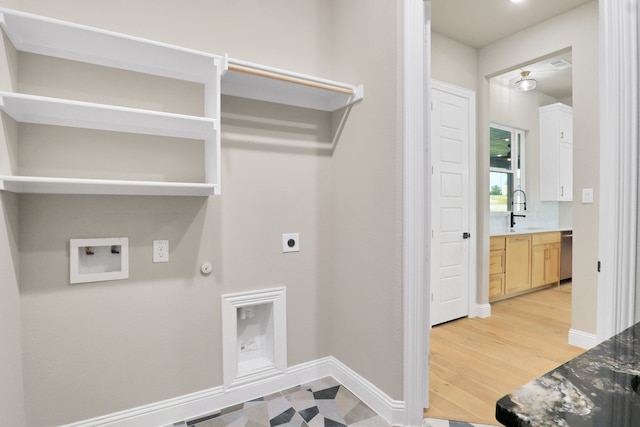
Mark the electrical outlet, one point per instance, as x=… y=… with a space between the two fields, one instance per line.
x=160 y=251
x=291 y=242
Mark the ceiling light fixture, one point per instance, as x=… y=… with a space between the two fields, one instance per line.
x=526 y=83
x=517 y=1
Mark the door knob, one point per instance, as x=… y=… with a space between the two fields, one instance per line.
x=466 y=235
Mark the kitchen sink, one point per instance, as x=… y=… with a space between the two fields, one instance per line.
x=525 y=229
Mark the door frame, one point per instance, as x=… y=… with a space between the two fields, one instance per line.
x=416 y=44
x=619 y=103
x=473 y=308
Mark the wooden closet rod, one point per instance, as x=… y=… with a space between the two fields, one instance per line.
x=285 y=78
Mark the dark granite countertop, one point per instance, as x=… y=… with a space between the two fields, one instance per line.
x=599 y=388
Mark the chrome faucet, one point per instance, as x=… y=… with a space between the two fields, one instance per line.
x=513 y=215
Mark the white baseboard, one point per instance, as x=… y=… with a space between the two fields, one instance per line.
x=193 y=405
x=582 y=339
x=394 y=411
x=484 y=310
x=479 y=310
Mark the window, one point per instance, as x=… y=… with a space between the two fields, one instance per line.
x=506 y=166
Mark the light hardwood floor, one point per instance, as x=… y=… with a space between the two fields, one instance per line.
x=474 y=362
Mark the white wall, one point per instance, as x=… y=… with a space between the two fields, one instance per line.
x=96 y=348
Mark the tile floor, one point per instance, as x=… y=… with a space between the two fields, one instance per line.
x=322 y=403
x=430 y=422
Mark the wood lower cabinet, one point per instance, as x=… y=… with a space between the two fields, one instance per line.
x=496 y=286
x=523 y=262
x=518 y=263
x=496 y=267
x=545 y=259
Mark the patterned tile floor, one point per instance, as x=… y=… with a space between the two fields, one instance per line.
x=430 y=422
x=322 y=403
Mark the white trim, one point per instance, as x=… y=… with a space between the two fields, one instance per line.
x=582 y=339
x=394 y=411
x=415 y=278
x=483 y=310
x=204 y=402
x=618 y=166
x=473 y=206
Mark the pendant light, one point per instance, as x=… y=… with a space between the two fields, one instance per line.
x=525 y=83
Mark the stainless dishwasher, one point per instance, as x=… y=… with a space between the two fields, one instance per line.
x=565 y=255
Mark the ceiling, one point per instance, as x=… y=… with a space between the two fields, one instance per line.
x=553 y=76
x=478 y=23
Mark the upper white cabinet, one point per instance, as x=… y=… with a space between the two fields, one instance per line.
x=556 y=153
x=218 y=75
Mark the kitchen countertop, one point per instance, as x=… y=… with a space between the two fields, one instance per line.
x=525 y=230
x=599 y=388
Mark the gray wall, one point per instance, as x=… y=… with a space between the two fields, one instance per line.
x=367 y=197
x=453 y=62
x=96 y=348
x=11 y=384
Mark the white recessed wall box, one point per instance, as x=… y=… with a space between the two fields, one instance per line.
x=99 y=259
x=254 y=336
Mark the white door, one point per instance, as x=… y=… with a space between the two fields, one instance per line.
x=453 y=154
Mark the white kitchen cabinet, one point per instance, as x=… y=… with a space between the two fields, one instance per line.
x=556 y=153
x=565 y=172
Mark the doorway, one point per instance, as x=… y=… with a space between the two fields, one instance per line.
x=461 y=65
x=611 y=75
